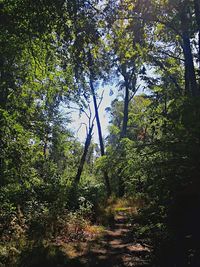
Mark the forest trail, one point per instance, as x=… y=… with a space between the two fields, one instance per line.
x=116 y=248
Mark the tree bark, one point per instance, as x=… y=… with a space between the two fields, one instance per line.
x=190 y=75
x=125 y=118
x=83 y=158
x=106 y=178
x=123 y=134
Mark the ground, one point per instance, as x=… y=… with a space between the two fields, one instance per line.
x=116 y=248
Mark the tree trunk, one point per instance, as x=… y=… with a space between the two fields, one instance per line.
x=121 y=187
x=83 y=158
x=190 y=76
x=125 y=118
x=106 y=178
x=197 y=15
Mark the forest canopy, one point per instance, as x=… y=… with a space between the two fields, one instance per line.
x=56 y=54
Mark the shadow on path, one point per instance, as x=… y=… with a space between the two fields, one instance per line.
x=116 y=249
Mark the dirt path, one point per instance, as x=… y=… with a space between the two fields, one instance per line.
x=115 y=249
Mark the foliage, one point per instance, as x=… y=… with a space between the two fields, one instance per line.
x=54 y=55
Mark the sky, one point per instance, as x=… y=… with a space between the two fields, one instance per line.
x=80 y=132
x=78 y=123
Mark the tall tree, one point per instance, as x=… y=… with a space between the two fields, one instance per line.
x=102 y=149
x=126 y=44
x=180 y=28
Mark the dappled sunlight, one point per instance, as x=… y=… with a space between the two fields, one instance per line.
x=99 y=133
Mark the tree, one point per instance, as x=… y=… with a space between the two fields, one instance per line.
x=91 y=77
x=180 y=28
x=89 y=133
x=126 y=44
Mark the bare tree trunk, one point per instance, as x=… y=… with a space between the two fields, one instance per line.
x=125 y=118
x=106 y=178
x=121 y=187
x=83 y=158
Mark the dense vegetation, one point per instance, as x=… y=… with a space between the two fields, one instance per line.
x=57 y=54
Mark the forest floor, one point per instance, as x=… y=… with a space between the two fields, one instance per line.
x=117 y=247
